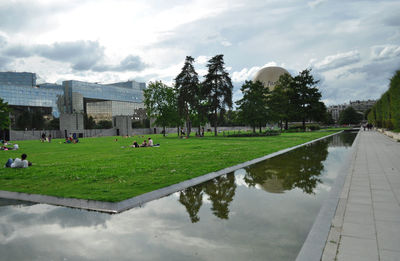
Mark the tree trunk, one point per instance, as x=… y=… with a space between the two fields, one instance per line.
x=164 y=131
x=215 y=123
x=254 y=128
x=178 y=129
x=286 y=124
x=304 y=124
x=260 y=128
x=187 y=127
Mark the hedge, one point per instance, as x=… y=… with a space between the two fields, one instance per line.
x=386 y=111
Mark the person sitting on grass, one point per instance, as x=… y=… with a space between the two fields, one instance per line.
x=151 y=144
x=144 y=144
x=18 y=162
x=135 y=144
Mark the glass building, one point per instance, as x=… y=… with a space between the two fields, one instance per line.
x=101 y=101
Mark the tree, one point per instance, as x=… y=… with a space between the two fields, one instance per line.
x=187 y=89
x=4 y=115
x=217 y=88
x=350 y=116
x=160 y=101
x=306 y=97
x=281 y=107
x=253 y=107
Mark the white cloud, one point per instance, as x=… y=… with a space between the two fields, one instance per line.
x=203 y=59
x=384 y=52
x=247 y=74
x=315 y=3
x=338 y=60
x=226 y=43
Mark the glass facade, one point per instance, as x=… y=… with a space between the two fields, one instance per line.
x=72 y=96
x=32 y=96
x=17 y=79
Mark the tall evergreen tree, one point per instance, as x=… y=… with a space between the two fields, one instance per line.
x=187 y=89
x=217 y=88
x=253 y=107
x=306 y=97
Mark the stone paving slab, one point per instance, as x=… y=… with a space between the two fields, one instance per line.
x=369 y=226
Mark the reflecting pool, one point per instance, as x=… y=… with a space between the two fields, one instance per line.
x=262 y=212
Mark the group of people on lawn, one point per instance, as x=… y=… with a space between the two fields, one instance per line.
x=24 y=163
x=145 y=143
x=6 y=144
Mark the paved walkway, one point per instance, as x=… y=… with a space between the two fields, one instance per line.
x=366 y=225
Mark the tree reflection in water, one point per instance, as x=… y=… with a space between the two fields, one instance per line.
x=299 y=168
x=220 y=190
x=192 y=199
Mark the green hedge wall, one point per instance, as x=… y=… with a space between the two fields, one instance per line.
x=386 y=112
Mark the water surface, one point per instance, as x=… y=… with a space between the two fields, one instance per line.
x=262 y=212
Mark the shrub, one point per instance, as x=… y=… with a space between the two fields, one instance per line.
x=257 y=134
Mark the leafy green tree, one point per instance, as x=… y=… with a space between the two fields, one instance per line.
x=350 y=116
x=160 y=101
x=4 y=115
x=306 y=97
x=188 y=91
x=253 y=107
x=328 y=120
x=217 y=88
x=281 y=108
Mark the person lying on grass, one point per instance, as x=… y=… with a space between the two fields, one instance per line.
x=18 y=162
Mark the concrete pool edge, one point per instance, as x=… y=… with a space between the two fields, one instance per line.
x=138 y=201
x=314 y=245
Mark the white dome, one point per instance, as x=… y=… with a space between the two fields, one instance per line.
x=269 y=76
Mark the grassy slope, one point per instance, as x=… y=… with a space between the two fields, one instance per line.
x=103 y=169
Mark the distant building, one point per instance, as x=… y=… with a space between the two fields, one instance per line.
x=362 y=106
x=335 y=110
x=101 y=101
x=359 y=106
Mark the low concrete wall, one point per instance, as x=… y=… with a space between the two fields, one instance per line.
x=34 y=135
x=391 y=134
x=57 y=134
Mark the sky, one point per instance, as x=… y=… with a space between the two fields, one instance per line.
x=352 y=46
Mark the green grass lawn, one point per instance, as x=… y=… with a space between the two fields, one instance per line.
x=108 y=170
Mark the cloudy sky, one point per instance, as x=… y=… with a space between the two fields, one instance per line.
x=352 y=46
